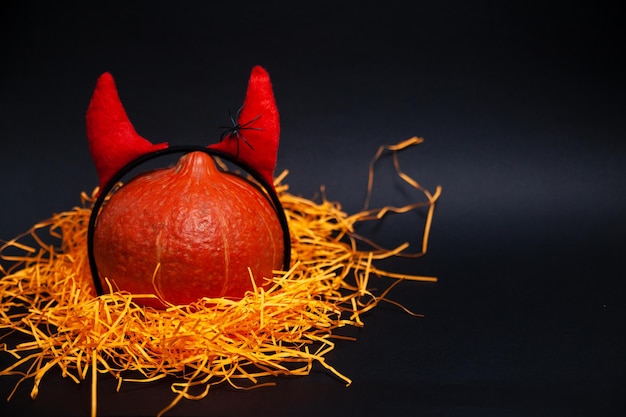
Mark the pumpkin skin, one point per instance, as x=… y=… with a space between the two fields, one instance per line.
x=203 y=228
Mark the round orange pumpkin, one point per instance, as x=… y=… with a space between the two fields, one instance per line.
x=187 y=232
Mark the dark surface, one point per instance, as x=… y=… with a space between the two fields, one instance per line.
x=522 y=108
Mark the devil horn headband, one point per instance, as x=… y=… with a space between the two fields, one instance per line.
x=114 y=143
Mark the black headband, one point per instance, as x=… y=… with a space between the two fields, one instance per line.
x=268 y=188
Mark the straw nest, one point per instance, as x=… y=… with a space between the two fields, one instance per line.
x=281 y=328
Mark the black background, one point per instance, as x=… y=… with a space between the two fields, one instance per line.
x=522 y=108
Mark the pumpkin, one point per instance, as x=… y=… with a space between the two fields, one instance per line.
x=186 y=232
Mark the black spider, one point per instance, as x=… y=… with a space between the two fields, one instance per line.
x=236 y=129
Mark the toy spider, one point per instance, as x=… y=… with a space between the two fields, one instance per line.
x=236 y=129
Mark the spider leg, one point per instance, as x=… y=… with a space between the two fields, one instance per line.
x=239 y=111
x=249 y=122
x=230 y=130
x=224 y=133
x=242 y=137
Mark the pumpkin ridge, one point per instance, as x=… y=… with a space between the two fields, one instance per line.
x=222 y=233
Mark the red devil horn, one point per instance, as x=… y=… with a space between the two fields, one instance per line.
x=113 y=141
x=254 y=139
